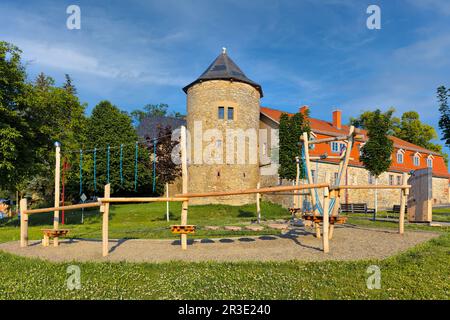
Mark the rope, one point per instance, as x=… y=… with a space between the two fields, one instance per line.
x=318 y=203
x=81 y=171
x=121 y=164
x=154 y=164
x=136 y=167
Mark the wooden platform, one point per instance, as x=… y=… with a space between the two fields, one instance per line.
x=179 y=229
x=54 y=234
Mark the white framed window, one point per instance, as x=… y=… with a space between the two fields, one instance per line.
x=361 y=145
x=430 y=162
x=399 y=157
x=391 y=179
x=335 y=178
x=416 y=160
x=399 y=180
x=335 y=147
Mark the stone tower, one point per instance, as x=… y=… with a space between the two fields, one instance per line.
x=223 y=110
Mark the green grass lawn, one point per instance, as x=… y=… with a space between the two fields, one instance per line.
x=420 y=273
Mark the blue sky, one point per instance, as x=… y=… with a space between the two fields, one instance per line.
x=312 y=52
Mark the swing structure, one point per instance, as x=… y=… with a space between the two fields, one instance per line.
x=328 y=208
x=324 y=212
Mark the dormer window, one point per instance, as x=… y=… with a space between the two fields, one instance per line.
x=400 y=156
x=430 y=161
x=416 y=159
x=335 y=147
x=312 y=137
x=361 y=145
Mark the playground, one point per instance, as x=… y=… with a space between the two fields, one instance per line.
x=143 y=231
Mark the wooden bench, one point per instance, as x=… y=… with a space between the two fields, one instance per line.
x=179 y=229
x=356 y=208
x=54 y=234
x=396 y=209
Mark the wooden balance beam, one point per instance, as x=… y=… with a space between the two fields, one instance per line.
x=253 y=191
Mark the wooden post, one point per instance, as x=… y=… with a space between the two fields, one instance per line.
x=57 y=190
x=184 y=212
x=258 y=199
x=308 y=170
x=297 y=181
x=23 y=223
x=184 y=174
x=403 y=196
x=167 y=202
x=334 y=194
x=326 y=216
x=105 y=227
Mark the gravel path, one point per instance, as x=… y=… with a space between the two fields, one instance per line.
x=349 y=243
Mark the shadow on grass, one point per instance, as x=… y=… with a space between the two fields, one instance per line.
x=172 y=217
x=246 y=214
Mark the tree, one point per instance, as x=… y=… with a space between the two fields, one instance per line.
x=43 y=82
x=17 y=139
x=365 y=117
x=290 y=130
x=68 y=85
x=166 y=170
x=408 y=128
x=411 y=129
x=376 y=152
x=54 y=115
x=444 y=121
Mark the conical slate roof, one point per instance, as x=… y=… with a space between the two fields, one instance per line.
x=223 y=68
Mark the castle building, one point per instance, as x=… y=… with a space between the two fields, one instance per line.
x=224 y=117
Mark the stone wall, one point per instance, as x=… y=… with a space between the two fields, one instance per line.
x=440 y=191
x=203 y=100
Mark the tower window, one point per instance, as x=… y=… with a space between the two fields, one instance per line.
x=230 y=113
x=221 y=113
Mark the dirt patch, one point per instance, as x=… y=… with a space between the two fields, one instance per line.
x=349 y=243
